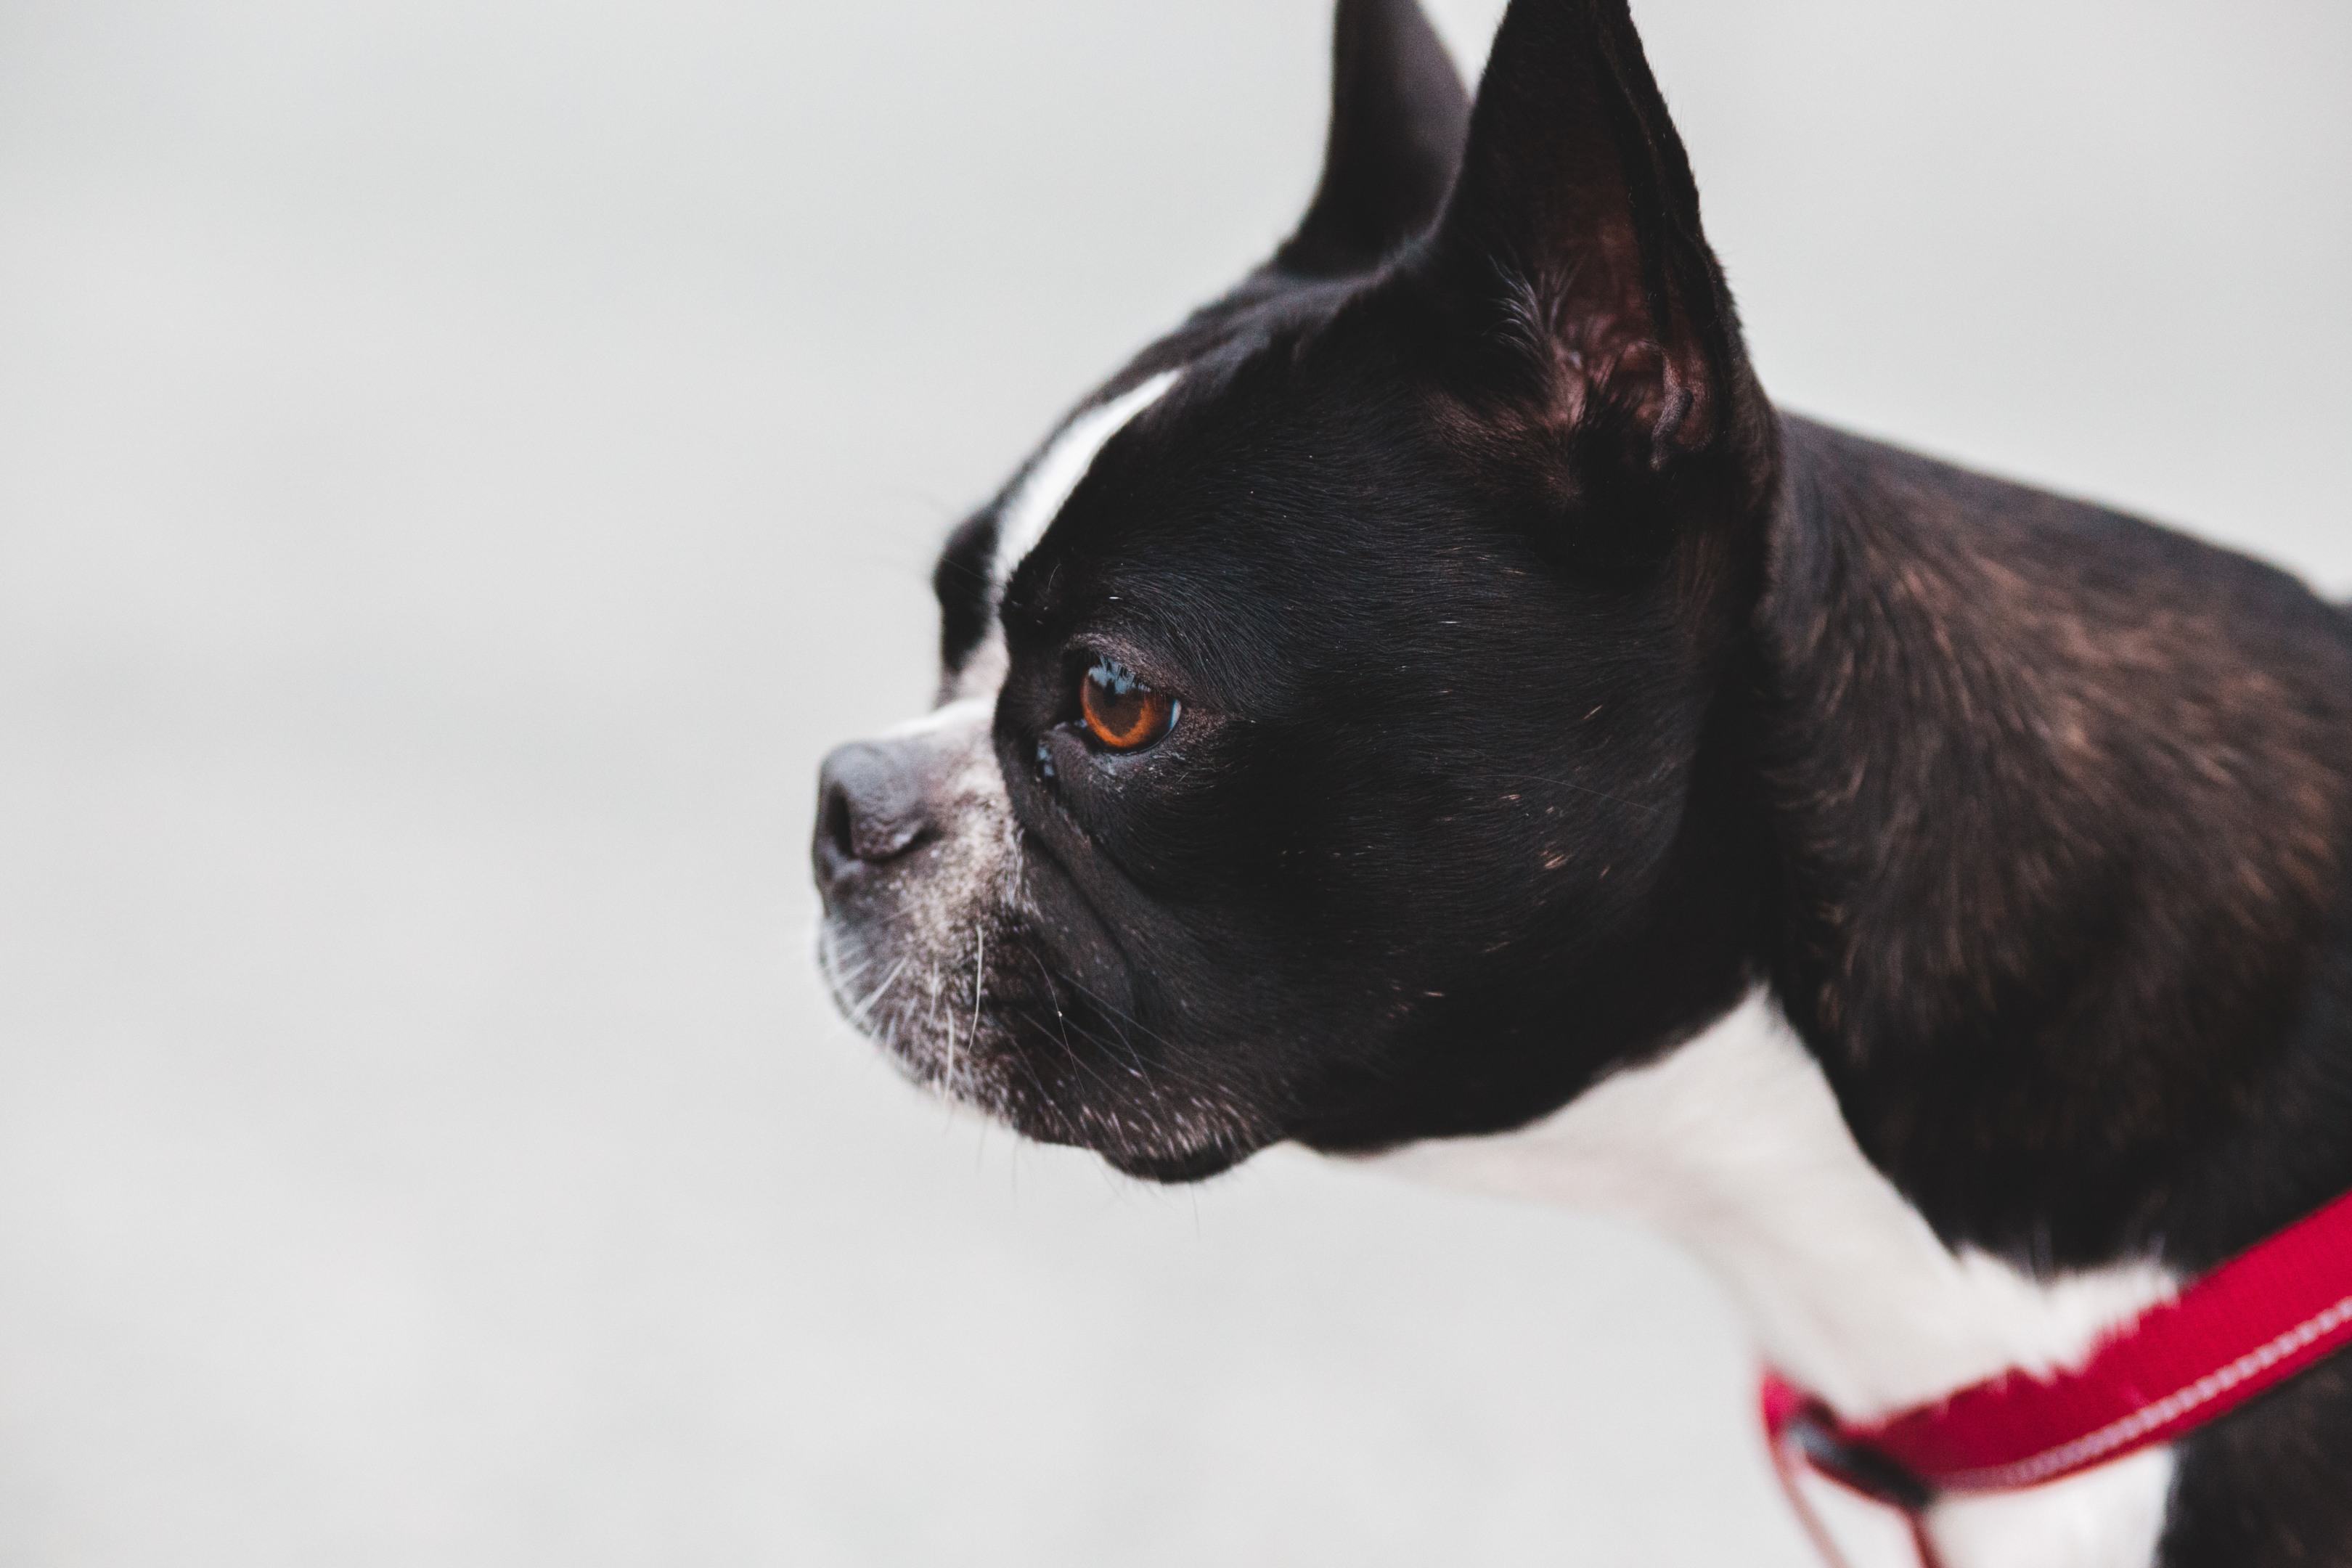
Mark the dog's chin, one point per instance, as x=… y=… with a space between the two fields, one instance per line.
x=1175 y=1170
x=1169 y=1155
x=1124 y=1136
x=1010 y=1069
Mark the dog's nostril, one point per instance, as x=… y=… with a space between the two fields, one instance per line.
x=839 y=827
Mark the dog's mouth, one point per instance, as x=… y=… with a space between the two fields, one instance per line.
x=994 y=1026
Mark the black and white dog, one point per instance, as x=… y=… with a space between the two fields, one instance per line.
x=1431 y=704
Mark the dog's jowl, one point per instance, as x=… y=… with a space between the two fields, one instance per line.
x=1433 y=704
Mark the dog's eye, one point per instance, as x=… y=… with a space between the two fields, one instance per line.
x=1120 y=711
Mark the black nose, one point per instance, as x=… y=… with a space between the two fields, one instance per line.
x=871 y=807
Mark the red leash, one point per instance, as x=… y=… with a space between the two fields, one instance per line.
x=1799 y=1440
x=2246 y=1326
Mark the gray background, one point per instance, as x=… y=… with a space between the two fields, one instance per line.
x=461 y=463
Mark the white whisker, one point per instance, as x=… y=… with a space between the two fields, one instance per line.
x=858 y=1013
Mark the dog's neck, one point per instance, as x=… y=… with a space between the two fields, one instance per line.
x=2059 y=811
x=1733 y=1144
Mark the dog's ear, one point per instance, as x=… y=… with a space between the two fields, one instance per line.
x=1580 y=296
x=1399 y=113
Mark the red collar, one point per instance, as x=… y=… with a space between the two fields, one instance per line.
x=2246 y=1326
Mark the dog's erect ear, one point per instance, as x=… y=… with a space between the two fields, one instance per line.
x=1570 y=257
x=1399 y=113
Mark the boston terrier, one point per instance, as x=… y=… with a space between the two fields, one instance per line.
x=1432 y=706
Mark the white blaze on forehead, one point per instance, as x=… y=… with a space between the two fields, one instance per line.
x=1058 y=471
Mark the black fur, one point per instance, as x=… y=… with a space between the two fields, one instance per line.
x=1543 y=688
x=1398 y=115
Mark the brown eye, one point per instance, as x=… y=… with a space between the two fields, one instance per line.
x=1120 y=711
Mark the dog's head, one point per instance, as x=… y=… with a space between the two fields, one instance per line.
x=1329 y=707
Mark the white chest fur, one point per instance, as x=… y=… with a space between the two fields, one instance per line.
x=1734 y=1146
